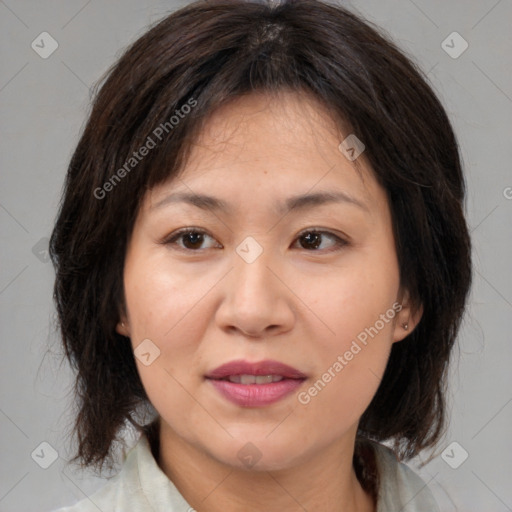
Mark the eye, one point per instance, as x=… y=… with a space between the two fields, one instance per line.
x=310 y=240
x=192 y=238
x=313 y=238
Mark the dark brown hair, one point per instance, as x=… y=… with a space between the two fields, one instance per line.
x=205 y=55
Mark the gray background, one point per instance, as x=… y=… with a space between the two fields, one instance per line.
x=43 y=106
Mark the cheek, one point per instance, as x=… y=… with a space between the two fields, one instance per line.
x=160 y=299
x=352 y=352
x=349 y=375
x=353 y=300
x=162 y=306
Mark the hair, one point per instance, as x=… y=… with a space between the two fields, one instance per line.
x=203 y=56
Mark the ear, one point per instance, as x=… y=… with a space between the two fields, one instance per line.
x=407 y=318
x=123 y=326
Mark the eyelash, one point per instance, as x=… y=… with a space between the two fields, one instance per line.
x=339 y=242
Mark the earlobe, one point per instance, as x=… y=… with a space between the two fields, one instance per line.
x=401 y=332
x=407 y=320
x=122 y=329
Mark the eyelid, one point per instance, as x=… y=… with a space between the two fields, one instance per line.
x=169 y=239
x=340 y=240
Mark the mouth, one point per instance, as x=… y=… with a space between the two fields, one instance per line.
x=266 y=371
x=255 y=384
x=247 y=379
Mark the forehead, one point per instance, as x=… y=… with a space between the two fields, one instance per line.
x=262 y=145
x=263 y=125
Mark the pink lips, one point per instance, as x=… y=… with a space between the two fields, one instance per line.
x=266 y=367
x=254 y=395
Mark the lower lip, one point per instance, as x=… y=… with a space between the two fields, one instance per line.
x=256 y=395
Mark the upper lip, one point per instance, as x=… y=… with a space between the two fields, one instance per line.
x=266 y=367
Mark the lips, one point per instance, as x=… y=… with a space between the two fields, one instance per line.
x=255 y=384
x=244 y=372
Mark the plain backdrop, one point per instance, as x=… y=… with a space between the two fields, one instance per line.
x=43 y=105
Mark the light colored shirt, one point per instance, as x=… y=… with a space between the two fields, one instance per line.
x=141 y=486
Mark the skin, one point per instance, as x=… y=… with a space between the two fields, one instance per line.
x=203 y=305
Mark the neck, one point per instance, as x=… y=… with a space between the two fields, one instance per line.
x=327 y=481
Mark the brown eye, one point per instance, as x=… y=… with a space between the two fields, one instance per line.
x=191 y=239
x=311 y=240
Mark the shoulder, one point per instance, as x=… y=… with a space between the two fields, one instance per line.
x=110 y=496
x=140 y=485
x=400 y=487
x=123 y=491
x=103 y=499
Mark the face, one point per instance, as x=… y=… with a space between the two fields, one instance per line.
x=315 y=286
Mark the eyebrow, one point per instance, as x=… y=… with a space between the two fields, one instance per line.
x=294 y=203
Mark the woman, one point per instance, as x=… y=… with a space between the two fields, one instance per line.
x=262 y=263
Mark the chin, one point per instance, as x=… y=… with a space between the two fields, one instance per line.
x=259 y=453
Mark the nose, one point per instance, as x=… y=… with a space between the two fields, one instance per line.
x=256 y=300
